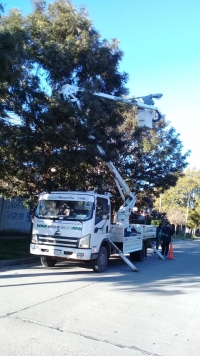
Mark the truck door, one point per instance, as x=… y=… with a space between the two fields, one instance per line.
x=101 y=216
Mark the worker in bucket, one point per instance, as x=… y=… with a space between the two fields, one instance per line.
x=166 y=235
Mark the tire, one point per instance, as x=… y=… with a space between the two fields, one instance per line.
x=48 y=261
x=141 y=254
x=100 y=264
x=133 y=256
x=138 y=255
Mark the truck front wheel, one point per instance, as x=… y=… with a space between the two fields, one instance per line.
x=48 y=261
x=100 y=264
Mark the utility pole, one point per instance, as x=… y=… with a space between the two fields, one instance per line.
x=160 y=203
x=186 y=215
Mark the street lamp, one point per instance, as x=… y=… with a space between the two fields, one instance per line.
x=160 y=203
x=148 y=99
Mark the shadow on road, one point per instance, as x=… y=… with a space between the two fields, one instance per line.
x=154 y=275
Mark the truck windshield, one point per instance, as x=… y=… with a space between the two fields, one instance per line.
x=66 y=210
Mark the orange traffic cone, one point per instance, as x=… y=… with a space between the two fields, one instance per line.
x=171 y=254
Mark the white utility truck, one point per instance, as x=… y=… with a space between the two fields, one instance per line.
x=74 y=225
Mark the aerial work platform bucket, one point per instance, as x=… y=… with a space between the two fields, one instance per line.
x=145 y=118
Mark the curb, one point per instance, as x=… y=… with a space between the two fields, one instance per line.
x=22 y=261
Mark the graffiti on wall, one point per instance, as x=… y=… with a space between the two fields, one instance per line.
x=16 y=216
x=14 y=212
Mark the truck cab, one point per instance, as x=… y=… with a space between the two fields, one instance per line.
x=71 y=225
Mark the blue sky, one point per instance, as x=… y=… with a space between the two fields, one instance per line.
x=161 y=45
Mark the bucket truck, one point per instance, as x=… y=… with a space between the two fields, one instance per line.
x=74 y=225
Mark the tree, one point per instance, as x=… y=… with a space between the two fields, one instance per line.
x=40 y=131
x=61 y=47
x=183 y=197
x=12 y=38
x=194 y=218
x=153 y=159
x=176 y=216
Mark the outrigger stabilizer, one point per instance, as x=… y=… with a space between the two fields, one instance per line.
x=128 y=262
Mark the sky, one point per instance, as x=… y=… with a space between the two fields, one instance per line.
x=161 y=45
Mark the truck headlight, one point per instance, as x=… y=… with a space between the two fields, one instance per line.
x=85 y=242
x=34 y=239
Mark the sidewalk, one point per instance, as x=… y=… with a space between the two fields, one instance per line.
x=12 y=237
x=21 y=261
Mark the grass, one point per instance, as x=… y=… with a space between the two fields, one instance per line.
x=14 y=248
x=182 y=237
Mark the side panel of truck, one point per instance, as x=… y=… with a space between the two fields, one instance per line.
x=132 y=238
x=132 y=242
x=147 y=231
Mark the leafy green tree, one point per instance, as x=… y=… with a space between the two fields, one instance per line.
x=61 y=46
x=194 y=218
x=152 y=159
x=156 y=222
x=58 y=45
x=182 y=196
x=12 y=62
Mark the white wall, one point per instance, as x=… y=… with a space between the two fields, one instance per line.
x=14 y=216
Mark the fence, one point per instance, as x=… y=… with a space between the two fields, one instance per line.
x=14 y=217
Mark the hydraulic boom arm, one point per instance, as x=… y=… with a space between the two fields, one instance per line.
x=69 y=92
x=130 y=200
x=147 y=112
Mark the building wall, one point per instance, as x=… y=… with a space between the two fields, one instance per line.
x=14 y=216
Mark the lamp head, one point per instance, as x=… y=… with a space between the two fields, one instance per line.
x=148 y=99
x=157 y=96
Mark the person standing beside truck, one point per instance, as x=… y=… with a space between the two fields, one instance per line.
x=166 y=235
x=158 y=235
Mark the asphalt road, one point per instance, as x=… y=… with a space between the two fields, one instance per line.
x=70 y=310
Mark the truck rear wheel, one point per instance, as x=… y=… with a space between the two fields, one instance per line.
x=138 y=255
x=133 y=256
x=48 y=261
x=100 y=264
x=141 y=254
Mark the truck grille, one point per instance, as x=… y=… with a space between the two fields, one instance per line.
x=58 y=241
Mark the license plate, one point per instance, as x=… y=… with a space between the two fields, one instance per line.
x=57 y=252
